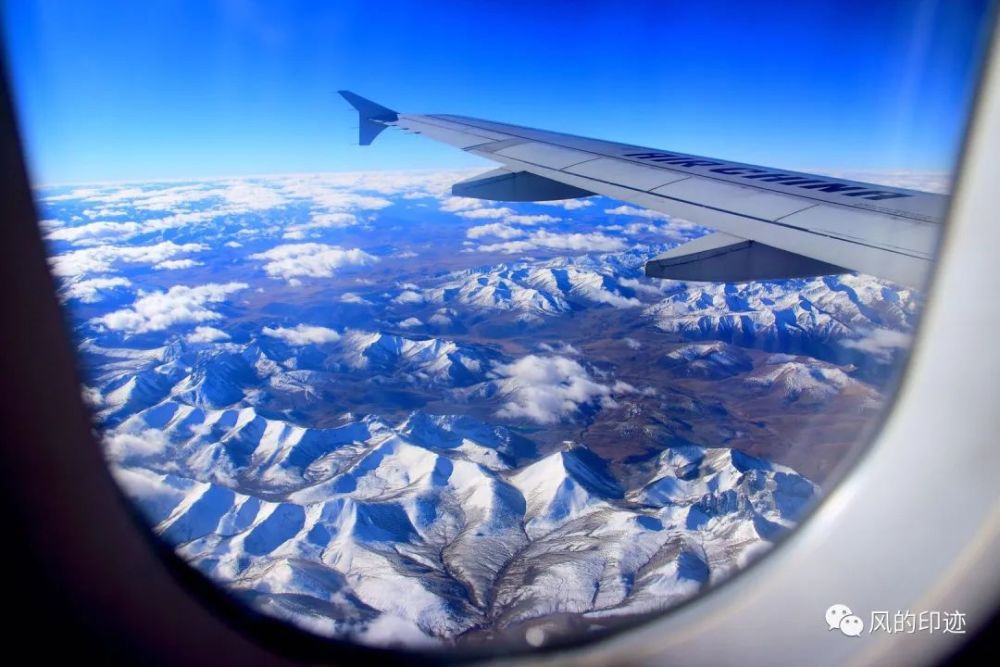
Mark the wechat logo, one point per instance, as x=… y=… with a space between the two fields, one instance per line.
x=840 y=617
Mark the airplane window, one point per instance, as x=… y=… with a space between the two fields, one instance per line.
x=473 y=325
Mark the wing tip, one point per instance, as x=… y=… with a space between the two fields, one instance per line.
x=372 y=116
x=368 y=109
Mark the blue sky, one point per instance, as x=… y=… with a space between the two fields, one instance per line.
x=145 y=90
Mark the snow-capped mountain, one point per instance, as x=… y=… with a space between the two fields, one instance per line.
x=443 y=525
x=549 y=287
x=825 y=317
x=384 y=413
x=422 y=523
x=428 y=360
x=842 y=319
x=710 y=360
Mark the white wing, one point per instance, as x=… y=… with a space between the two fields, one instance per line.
x=771 y=223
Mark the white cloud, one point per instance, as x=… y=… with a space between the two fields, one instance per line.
x=549 y=389
x=637 y=212
x=498 y=229
x=631 y=343
x=172 y=264
x=101 y=259
x=410 y=322
x=655 y=289
x=486 y=213
x=505 y=214
x=351 y=297
x=925 y=181
x=643 y=228
x=880 y=343
x=442 y=317
x=538 y=219
x=92 y=396
x=559 y=348
x=455 y=204
x=322 y=221
x=674 y=228
x=179 y=220
x=120 y=446
x=568 y=204
x=244 y=195
x=105 y=212
x=334 y=220
x=146 y=197
x=409 y=296
x=312 y=260
x=206 y=335
x=410 y=184
x=180 y=304
x=238 y=196
x=93 y=230
x=326 y=195
x=91 y=291
x=302 y=334
x=593 y=241
x=79 y=193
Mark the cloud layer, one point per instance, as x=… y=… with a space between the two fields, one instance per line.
x=104 y=258
x=312 y=260
x=180 y=304
x=206 y=335
x=92 y=290
x=302 y=334
x=589 y=242
x=548 y=389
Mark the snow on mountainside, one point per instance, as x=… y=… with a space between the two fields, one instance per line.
x=550 y=287
x=224 y=375
x=417 y=529
x=817 y=316
x=442 y=525
x=710 y=360
x=431 y=360
x=843 y=319
x=562 y=485
x=445 y=525
x=827 y=307
x=797 y=381
x=385 y=413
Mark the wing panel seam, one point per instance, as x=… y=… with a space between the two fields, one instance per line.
x=915 y=218
x=806 y=208
x=737 y=214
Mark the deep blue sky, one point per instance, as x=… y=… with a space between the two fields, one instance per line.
x=124 y=90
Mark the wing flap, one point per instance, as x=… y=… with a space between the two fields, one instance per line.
x=722 y=257
x=505 y=185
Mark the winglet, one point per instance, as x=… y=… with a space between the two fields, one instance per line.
x=372 y=117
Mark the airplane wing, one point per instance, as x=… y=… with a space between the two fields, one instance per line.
x=770 y=223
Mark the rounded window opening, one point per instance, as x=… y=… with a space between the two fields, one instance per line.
x=481 y=381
